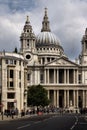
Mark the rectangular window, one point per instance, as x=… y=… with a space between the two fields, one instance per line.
x=7 y=84
x=15 y=62
x=79 y=78
x=6 y=61
x=19 y=74
x=10 y=95
x=11 y=61
x=7 y=73
x=19 y=84
x=28 y=77
x=11 y=84
x=19 y=62
x=28 y=42
x=11 y=73
x=41 y=78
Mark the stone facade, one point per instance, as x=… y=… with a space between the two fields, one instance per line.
x=42 y=61
x=12 y=80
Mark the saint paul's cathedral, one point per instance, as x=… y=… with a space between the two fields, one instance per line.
x=42 y=60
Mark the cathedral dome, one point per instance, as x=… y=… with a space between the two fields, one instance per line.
x=47 y=43
x=47 y=38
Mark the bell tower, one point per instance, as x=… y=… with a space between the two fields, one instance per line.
x=28 y=43
x=83 y=57
x=27 y=38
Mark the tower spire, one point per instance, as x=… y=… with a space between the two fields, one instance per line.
x=45 y=23
x=28 y=37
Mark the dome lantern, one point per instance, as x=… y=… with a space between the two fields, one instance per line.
x=45 y=23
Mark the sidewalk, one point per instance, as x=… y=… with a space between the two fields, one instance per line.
x=15 y=117
x=5 y=118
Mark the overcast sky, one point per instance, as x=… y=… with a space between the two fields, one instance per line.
x=68 y=21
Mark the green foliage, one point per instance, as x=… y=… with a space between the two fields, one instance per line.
x=37 y=96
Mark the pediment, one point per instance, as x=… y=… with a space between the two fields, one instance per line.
x=62 y=62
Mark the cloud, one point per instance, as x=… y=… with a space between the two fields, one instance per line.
x=67 y=20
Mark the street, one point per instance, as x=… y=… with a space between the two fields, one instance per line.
x=47 y=122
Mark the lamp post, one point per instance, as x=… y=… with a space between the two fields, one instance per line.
x=25 y=99
x=2 y=105
x=1 y=102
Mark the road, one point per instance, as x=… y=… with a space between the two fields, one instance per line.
x=47 y=122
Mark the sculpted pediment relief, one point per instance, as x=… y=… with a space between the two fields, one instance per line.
x=62 y=62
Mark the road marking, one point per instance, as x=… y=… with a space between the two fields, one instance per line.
x=83 y=123
x=74 y=123
x=37 y=122
x=23 y=126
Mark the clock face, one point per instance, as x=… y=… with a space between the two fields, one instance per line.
x=28 y=56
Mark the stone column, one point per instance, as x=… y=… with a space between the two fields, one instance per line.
x=65 y=99
x=57 y=76
x=74 y=76
x=77 y=76
x=83 y=99
x=77 y=98
x=45 y=76
x=45 y=60
x=54 y=97
x=65 y=76
x=86 y=98
x=54 y=76
x=41 y=60
x=48 y=94
x=57 y=99
x=68 y=76
x=74 y=99
x=48 y=76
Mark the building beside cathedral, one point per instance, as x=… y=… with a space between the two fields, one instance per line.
x=42 y=60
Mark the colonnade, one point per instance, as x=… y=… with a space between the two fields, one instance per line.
x=67 y=76
x=70 y=98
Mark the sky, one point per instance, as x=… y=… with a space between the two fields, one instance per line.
x=68 y=21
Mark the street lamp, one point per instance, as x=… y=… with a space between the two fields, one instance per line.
x=25 y=99
x=2 y=105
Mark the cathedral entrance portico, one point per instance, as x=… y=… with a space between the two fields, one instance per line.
x=67 y=99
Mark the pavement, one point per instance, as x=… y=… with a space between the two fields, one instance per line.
x=15 y=117
x=5 y=118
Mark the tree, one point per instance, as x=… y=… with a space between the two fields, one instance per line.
x=37 y=96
